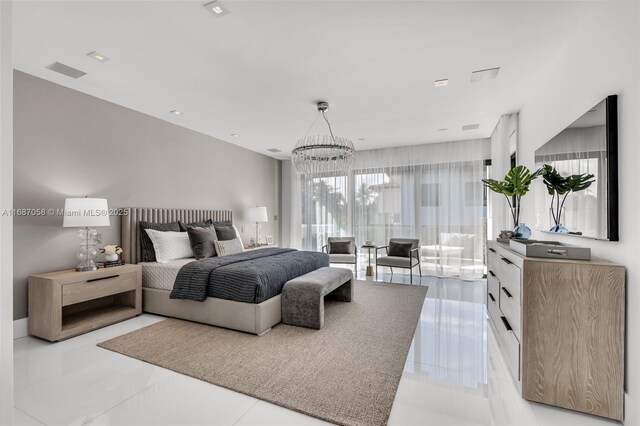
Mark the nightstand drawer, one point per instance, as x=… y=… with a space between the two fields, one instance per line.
x=100 y=287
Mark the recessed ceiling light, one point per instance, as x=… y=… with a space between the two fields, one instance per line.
x=97 y=56
x=442 y=83
x=175 y=111
x=470 y=126
x=360 y=139
x=274 y=150
x=484 y=75
x=443 y=129
x=216 y=8
x=66 y=70
x=235 y=135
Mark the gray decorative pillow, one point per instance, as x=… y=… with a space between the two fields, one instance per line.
x=148 y=252
x=202 y=241
x=184 y=227
x=225 y=231
x=225 y=248
x=400 y=249
x=223 y=223
x=340 y=247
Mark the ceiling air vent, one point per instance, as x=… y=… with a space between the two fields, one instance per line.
x=274 y=150
x=66 y=70
x=484 y=75
x=470 y=127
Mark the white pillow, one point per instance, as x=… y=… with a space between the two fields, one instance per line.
x=224 y=248
x=170 y=245
x=237 y=232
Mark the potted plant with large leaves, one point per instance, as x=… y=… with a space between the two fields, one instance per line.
x=559 y=187
x=515 y=185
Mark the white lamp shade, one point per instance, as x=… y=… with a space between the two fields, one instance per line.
x=257 y=214
x=85 y=212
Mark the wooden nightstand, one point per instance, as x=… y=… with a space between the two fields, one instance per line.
x=64 y=304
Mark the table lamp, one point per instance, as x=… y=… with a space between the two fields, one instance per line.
x=86 y=213
x=258 y=215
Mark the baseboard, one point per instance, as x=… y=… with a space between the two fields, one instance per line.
x=20 y=328
x=631 y=414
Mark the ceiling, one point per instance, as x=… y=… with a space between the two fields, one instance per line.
x=258 y=71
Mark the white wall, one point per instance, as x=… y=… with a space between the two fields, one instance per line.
x=6 y=202
x=503 y=144
x=601 y=58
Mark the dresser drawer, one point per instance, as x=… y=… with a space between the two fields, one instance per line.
x=493 y=261
x=510 y=346
x=510 y=307
x=493 y=285
x=493 y=309
x=100 y=287
x=510 y=277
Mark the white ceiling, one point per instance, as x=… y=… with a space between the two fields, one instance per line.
x=258 y=71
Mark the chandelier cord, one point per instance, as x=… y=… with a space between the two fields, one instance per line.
x=328 y=124
x=312 y=124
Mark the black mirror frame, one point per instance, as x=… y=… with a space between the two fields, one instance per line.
x=613 y=226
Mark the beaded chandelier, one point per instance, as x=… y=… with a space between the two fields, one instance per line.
x=323 y=155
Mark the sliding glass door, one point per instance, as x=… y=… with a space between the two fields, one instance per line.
x=383 y=206
x=444 y=205
x=452 y=218
x=324 y=210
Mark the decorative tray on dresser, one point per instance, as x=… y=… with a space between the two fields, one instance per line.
x=560 y=327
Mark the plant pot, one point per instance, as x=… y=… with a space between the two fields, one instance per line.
x=110 y=257
x=559 y=229
x=522 y=232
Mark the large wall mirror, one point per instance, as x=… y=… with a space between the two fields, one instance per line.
x=588 y=145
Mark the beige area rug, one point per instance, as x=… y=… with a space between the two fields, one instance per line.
x=347 y=373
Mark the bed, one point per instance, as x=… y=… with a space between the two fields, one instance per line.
x=254 y=311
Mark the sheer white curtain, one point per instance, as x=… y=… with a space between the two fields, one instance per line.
x=323 y=210
x=432 y=192
x=295 y=222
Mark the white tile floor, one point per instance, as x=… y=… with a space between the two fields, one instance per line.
x=454 y=375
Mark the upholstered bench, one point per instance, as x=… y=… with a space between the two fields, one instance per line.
x=303 y=297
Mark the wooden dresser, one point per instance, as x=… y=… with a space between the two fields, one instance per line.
x=560 y=328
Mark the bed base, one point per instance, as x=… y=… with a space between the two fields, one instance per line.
x=255 y=318
x=247 y=317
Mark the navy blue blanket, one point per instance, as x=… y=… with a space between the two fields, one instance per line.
x=251 y=277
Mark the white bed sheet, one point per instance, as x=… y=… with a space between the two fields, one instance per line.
x=162 y=275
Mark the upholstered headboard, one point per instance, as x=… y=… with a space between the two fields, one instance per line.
x=130 y=233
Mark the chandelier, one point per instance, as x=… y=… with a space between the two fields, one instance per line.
x=323 y=154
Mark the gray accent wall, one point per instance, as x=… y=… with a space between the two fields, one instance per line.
x=69 y=144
